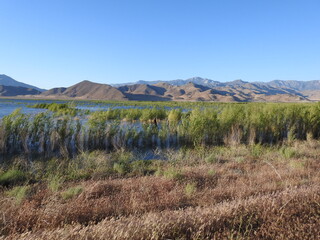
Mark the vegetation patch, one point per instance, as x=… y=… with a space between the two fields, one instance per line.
x=12 y=177
x=71 y=192
x=19 y=193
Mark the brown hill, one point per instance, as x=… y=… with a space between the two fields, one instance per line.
x=86 y=90
x=144 y=92
x=235 y=92
x=54 y=91
x=10 y=91
x=313 y=95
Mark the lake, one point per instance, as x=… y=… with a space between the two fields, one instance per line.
x=7 y=106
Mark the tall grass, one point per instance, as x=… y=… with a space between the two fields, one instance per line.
x=231 y=124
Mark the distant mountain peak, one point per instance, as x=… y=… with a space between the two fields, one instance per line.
x=238 y=81
x=86 y=82
x=5 y=80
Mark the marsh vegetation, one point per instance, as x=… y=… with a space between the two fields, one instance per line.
x=193 y=171
x=64 y=131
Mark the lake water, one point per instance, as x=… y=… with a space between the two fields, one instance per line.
x=7 y=106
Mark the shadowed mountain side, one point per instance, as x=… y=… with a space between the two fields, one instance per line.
x=143 y=97
x=143 y=89
x=8 y=81
x=9 y=91
x=54 y=91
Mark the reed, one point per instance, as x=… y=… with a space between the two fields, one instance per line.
x=230 y=124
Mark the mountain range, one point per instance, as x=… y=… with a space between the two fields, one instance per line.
x=192 y=89
x=9 y=81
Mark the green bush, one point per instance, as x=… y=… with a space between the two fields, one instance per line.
x=122 y=168
x=19 y=193
x=12 y=177
x=140 y=167
x=288 y=152
x=172 y=173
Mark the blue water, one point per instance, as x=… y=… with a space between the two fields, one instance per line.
x=7 y=106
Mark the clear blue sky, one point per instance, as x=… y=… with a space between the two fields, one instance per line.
x=51 y=43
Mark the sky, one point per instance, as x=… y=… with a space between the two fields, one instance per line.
x=55 y=43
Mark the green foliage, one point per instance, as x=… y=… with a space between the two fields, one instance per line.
x=200 y=124
x=55 y=183
x=154 y=113
x=257 y=150
x=141 y=167
x=131 y=114
x=122 y=164
x=190 y=189
x=19 y=193
x=200 y=127
x=288 y=152
x=12 y=177
x=58 y=108
x=172 y=173
x=174 y=116
x=121 y=168
x=71 y=192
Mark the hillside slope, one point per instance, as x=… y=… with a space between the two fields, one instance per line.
x=86 y=90
x=237 y=91
x=8 y=81
x=9 y=91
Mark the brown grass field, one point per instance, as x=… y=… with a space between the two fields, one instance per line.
x=235 y=192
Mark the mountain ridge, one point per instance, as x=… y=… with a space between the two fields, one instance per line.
x=5 y=80
x=191 y=89
x=295 y=84
x=86 y=90
x=10 y=91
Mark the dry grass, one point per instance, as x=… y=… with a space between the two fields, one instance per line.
x=244 y=194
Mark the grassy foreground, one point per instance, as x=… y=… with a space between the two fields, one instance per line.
x=218 y=192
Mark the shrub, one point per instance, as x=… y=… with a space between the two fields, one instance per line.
x=12 y=177
x=172 y=173
x=288 y=152
x=19 y=193
x=141 y=167
x=122 y=164
x=121 y=168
